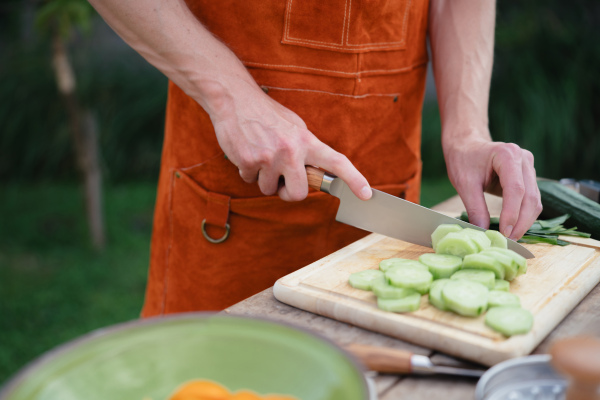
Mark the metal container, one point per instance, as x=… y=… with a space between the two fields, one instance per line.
x=523 y=378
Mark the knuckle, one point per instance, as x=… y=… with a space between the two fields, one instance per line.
x=339 y=161
x=528 y=156
x=516 y=188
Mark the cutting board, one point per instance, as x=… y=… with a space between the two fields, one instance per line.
x=558 y=278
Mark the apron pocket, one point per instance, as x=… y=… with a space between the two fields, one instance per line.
x=352 y=26
x=267 y=238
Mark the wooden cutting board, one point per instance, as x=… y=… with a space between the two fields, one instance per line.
x=558 y=278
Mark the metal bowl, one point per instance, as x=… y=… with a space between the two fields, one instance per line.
x=148 y=359
x=523 y=378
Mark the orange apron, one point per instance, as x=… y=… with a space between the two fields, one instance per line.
x=354 y=70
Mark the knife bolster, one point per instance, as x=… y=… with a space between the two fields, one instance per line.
x=318 y=179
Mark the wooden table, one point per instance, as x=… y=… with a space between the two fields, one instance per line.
x=584 y=319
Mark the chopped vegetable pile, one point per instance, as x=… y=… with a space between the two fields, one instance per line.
x=542 y=231
x=469 y=274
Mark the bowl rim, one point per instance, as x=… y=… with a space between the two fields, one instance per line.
x=15 y=380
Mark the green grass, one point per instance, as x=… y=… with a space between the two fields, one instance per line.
x=54 y=287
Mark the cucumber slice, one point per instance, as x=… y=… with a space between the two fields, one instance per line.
x=482 y=276
x=497 y=239
x=384 y=290
x=441 y=265
x=456 y=244
x=498 y=298
x=441 y=231
x=405 y=304
x=365 y=279
x=518 y=259
x=479 y=237
x=410 y=277
x=435 y=294
x=503 y=285
x=509 y=264
x=509 y=320
x=464 y=297
x=384 y=265
x=485 y=262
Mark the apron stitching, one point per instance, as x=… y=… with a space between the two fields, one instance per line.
x=203 y=162
x=369 y=46
x=350 y=74
x=336 y=94
x=349 y=17
x=168 y=252
x=345 y=32
x=345 y=16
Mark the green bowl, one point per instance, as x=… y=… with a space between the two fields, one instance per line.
x=148 y=359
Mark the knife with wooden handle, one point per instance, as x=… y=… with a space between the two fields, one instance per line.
x=394 y=361
x=389 y=215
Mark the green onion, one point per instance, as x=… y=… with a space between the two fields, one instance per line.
x=541 y=231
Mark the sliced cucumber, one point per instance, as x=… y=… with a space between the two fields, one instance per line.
x=384 y=290
x=510 y=265
x=497 y=239
x=519 y=259
x=503 y=285
x=509 y=320
x=441 y=265
x=482 y=276
x=435 y=294
x=499 y=298
x=465 y=297
x=479 y=237
x=384 y=265
x=365 y=279
x=405 y=304
x=441 y=231
x=410 y=277
x=456 y=244
x=485 y=262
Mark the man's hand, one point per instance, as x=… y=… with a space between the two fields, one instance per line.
x=267 y=142
x=503 y=169
x=462 y=42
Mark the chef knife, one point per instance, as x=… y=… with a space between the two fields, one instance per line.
x=389 y=215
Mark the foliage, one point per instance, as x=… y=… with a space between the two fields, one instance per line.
x=64 y=15
x=53 y=285
x=545 y=93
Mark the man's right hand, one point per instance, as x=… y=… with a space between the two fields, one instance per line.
x=271 y=144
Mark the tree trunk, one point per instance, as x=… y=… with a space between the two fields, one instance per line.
x=85 y=142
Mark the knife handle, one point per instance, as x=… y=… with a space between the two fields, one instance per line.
x=382 y=359
x=315 y=177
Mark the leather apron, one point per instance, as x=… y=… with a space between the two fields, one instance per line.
x=354 y=71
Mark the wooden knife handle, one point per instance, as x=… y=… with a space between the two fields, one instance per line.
x=382 y=359
x=315 y=177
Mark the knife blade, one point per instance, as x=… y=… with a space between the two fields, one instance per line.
x=389 y=215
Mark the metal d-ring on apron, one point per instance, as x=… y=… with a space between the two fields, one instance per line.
x=219 y=240
x=217 y=214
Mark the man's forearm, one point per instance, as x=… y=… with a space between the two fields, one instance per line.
x=169 y=36
x=462 y=42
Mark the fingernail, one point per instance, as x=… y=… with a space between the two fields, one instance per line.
x=508 y=231
x=366 y=193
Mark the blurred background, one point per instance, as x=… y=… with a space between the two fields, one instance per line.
x=61 y=67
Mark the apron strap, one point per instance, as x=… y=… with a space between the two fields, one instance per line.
x=217 y=214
